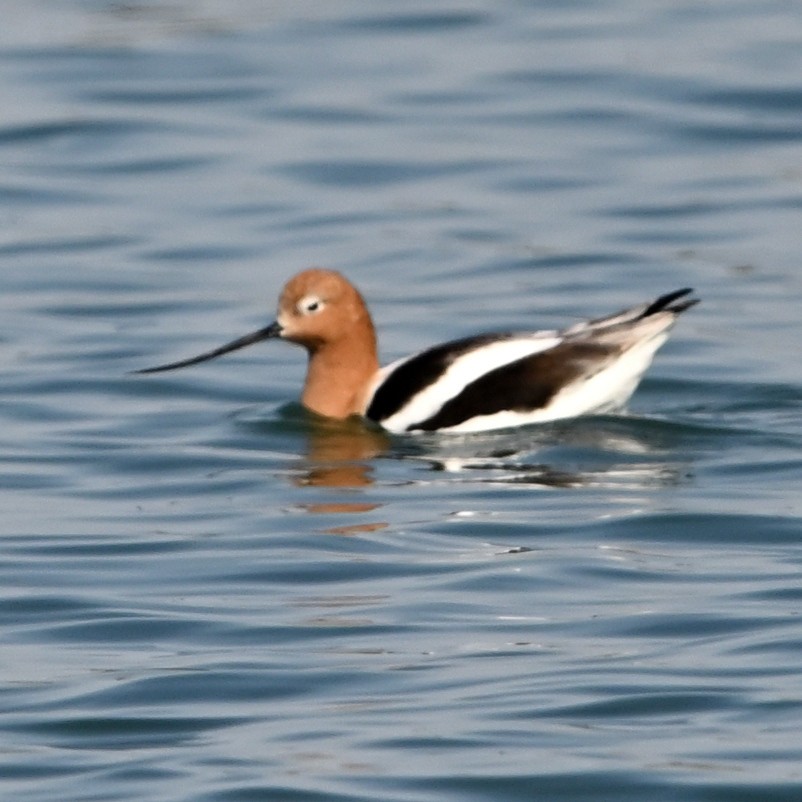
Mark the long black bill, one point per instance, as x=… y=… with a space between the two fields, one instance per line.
x=267 y=333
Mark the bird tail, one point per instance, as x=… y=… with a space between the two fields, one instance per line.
x=672 y=302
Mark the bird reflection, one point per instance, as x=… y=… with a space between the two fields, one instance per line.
x=594 y=452
x=341 y=453
x=613 y=454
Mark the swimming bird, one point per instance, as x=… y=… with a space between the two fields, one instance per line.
x=478 y=383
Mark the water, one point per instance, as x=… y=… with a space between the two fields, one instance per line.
x=208 y=597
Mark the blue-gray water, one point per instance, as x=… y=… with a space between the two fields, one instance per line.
x=206 y=598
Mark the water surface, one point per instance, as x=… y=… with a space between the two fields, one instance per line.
x=209 y=596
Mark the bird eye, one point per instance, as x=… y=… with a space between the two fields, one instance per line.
x=310 y=305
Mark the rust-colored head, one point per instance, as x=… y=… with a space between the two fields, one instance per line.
x=320 y=308
x=322 y=311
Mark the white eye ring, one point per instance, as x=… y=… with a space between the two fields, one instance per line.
x=310 y=304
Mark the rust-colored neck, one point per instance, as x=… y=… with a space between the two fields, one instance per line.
x=340 y=372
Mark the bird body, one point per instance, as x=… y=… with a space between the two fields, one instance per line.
x=479 y=383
